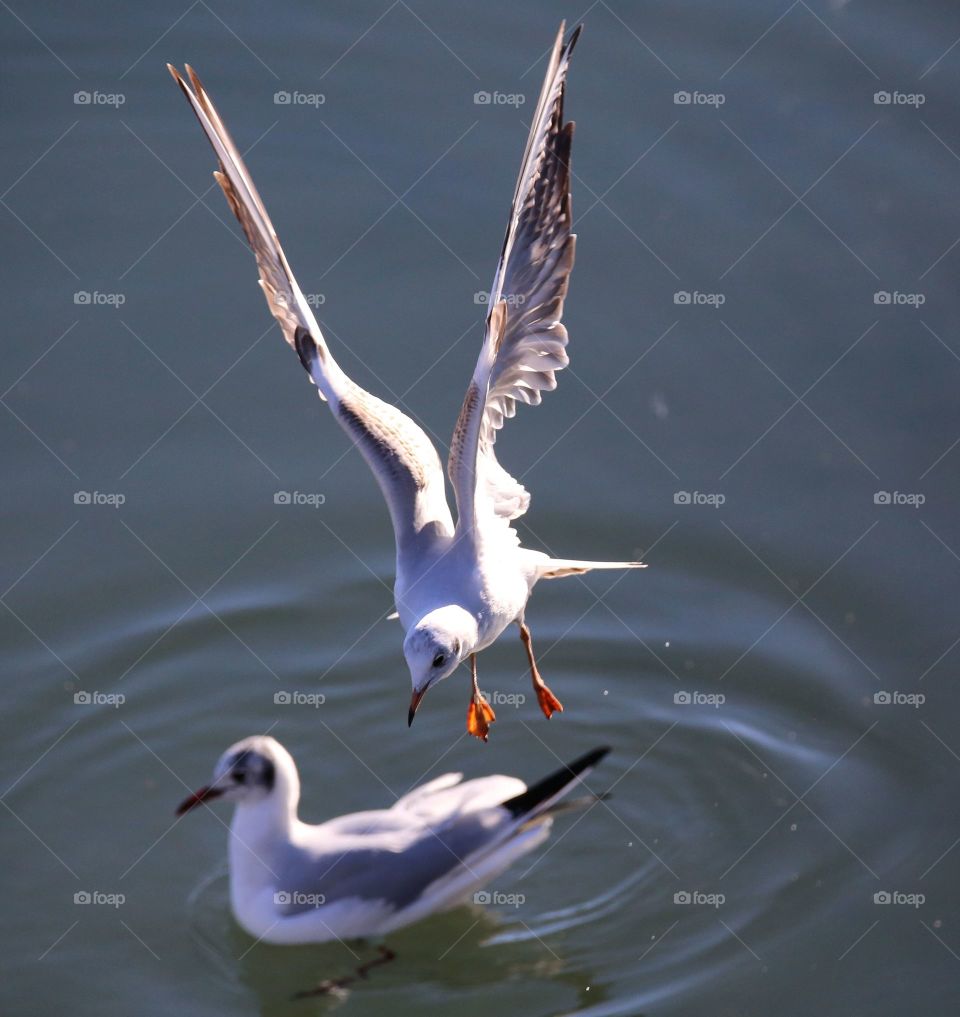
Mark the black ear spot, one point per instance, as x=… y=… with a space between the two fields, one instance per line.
x=251 y=768
x=238 y=766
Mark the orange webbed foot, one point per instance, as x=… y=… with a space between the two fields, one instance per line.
x=548 y=701
x=480 y=716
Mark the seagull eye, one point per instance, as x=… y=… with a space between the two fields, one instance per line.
x=438 y=660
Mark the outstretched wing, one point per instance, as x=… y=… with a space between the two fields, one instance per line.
x=400 y=454
x=525 y=341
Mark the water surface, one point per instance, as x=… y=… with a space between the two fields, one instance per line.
x=780 y=448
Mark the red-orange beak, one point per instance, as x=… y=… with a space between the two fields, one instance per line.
x=415 y=704
x=204 y=794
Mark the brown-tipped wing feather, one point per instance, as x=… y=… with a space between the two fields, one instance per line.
x=402 y=457
x=286 y=302
x=525 y=340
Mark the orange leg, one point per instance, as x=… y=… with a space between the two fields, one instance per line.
x=547 y=700
x=480 y=714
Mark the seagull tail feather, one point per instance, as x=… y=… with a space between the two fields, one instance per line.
x=541 y=797
x=557 y=568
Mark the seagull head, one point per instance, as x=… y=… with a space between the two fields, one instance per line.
x=251 y=771
x=434 y=648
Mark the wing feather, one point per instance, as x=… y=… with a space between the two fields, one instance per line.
x=402 y=457
x=525 y=340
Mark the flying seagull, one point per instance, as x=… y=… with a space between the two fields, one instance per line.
x=368 y=873
x=457 y=586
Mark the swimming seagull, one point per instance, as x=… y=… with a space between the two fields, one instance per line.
x=457 y=586
x=368 y=873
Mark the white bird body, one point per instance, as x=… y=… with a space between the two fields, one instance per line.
x=491 y=582
x=368 y=873
x=458 y=586
x=264 y=844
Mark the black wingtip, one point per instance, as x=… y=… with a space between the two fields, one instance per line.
x=572 y=40
x=563 y=47
x=590 y=758
x=548 y=788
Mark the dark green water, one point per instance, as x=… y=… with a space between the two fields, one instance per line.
x=783 y=398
